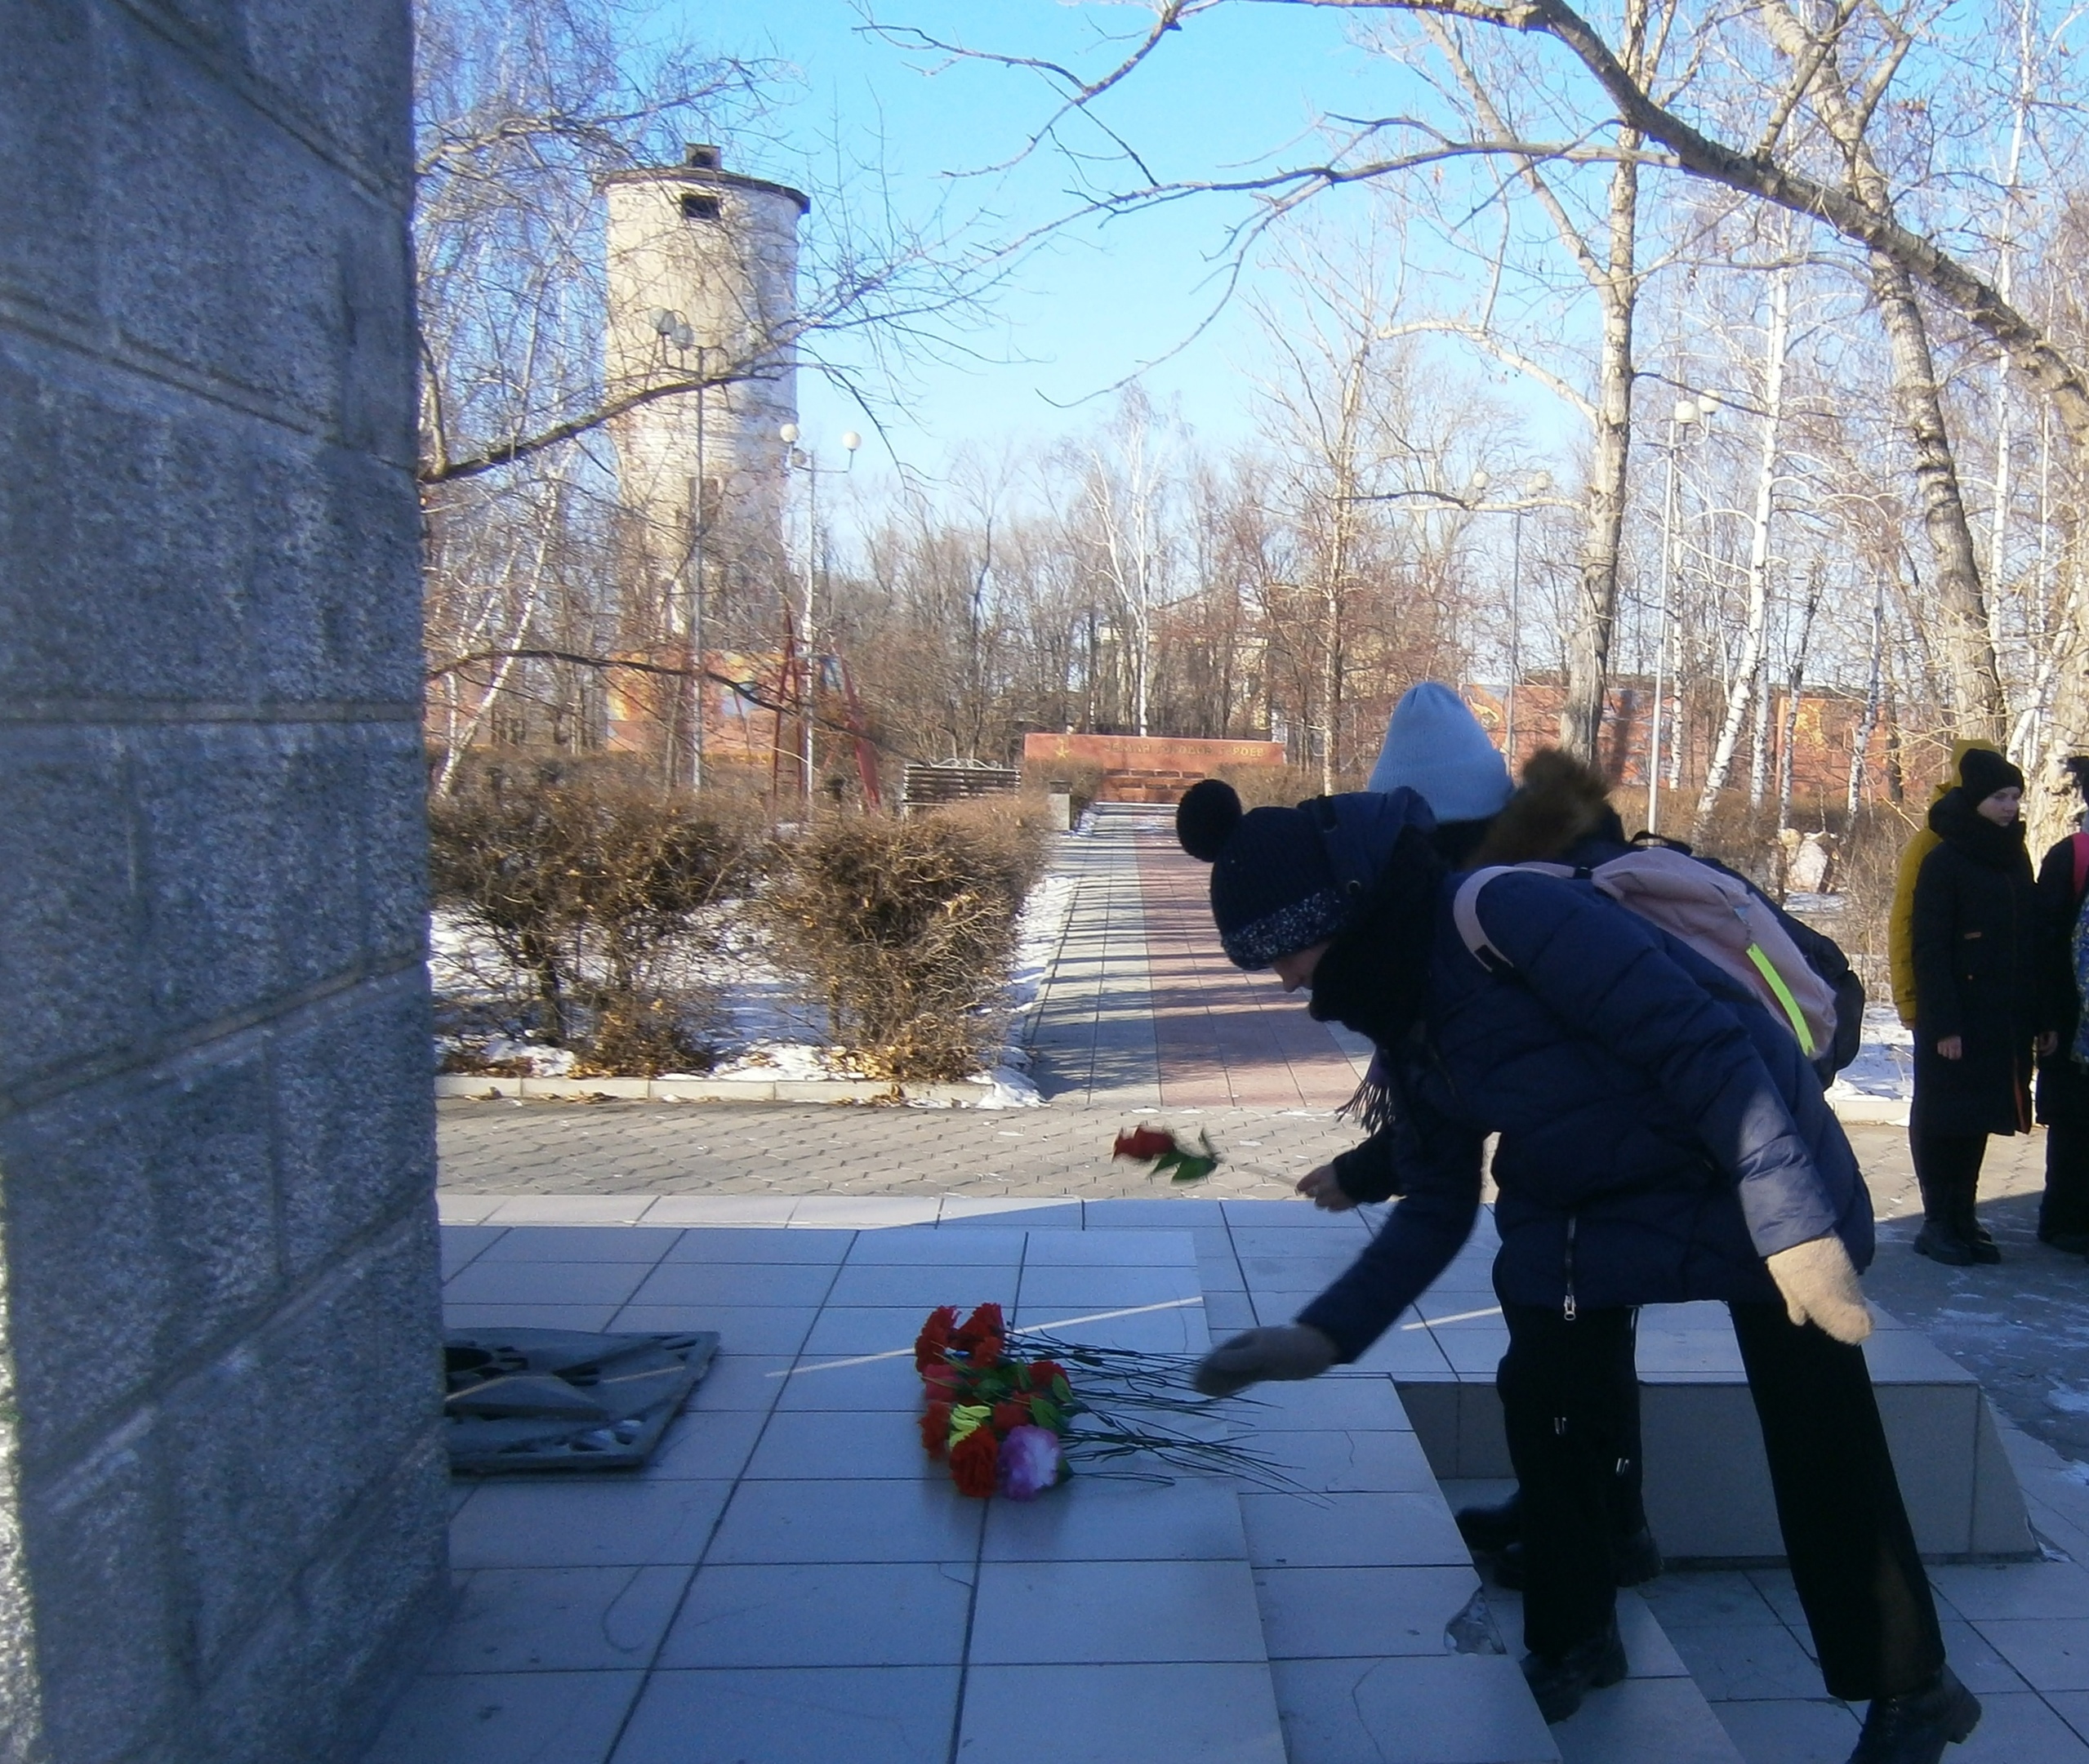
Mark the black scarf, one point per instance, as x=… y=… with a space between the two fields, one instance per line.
x=1374 y=977
x=1959 y=823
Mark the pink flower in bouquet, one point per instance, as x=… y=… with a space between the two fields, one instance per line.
x=1030 y=1461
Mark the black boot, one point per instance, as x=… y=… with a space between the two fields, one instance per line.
x=1488 y=1529
x=1941 y=1243
x=1560 y=1684
x=1914 y=1729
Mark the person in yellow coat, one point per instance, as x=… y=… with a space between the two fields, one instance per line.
x=1900 y=922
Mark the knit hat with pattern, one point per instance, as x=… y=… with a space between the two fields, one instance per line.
x=1273 y=891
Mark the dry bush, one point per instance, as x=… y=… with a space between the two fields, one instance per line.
x=596 y=887
x=906 y=928
x=1272 y=786
x=1084 y=782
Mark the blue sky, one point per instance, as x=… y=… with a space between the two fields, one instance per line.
x=1099 y=302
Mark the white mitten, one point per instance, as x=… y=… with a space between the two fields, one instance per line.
x=1294 y=1350
x=1820 y=1286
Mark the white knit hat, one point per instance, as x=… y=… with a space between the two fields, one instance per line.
x=1434 y=745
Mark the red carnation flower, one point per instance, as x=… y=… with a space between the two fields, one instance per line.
x=1013 y=1413
x=975 y=1461
x=987 y=1351
x=936 y=1429
x=1144 y=1143
x=1044 y=1372
x=930 y=1344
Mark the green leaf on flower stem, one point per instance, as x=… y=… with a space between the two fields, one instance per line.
x=1184 y=1167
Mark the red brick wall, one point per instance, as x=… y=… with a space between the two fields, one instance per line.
x=1149 y=769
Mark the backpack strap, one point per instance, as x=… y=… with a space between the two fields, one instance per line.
x=1465 y=909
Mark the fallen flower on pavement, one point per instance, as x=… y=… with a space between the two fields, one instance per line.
x=1183 y=1161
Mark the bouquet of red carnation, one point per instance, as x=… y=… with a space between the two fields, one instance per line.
x=1184 y=1160
x=998 y=1419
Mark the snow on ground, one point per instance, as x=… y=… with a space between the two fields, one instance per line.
x=1885 y=1065
x=771 y=1030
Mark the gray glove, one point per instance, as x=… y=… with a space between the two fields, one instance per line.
x=1296 y=1350
x=1820 y=1285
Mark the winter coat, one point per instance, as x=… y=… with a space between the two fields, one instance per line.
x=1661 y=1133
x=2063 y=1090
x=1976 y=933
x=1900 y=919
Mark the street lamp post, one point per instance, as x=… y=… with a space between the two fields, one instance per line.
x=801 y=459
x=1679 y=419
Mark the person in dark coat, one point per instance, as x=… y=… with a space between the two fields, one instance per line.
x=2062 y=1087
x=1975 y=936
x=1661 y=1138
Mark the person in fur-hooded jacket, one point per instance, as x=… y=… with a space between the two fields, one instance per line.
x=1661 y=1138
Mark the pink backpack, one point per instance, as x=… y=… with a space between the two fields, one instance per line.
x=1718 y=915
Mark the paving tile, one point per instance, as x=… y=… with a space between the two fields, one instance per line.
x=1093 y=1248
x=763 y=1329
x=922 y=1288
x=1179 y=1212
x=932 y=1246
x=557 y=1619
x=1743 y=1661
x=725 y=1283
x=461 y=1244
x=1361 y=1612
x=1289 y=1215
x=842 y=1330
x=2021 y=1728
x=864 y=1212
x=1352 y=1530
x=1100 y=1289
x=823 y=1613
x=1350 y=1460
x=581 y=1242
x=823 y=1381
x=1791 y=1731
x=453 y=1208
x=972 y=1212
x=2014 y=1589
x=1973 y=1657
x=1649 y=1653
x=592 y=1318
x=574 y=1523
x=1645 y=1721
x=707 y=1445
x=1453 y=1708
x=507 y=1718
x=1161 y=1326
x=2051 y=1653
x=570 y=1209
x=1198 y=1714
x=1719 y=1596
x=1776 y=1585
x=2073 y=1707
x=757 y=1245
x=807 y=1445
x=1403 y=1352
x=1342 y=1398
x=1093 y=1518
x=738 y=1381
x=743 y=1715
x=1043 y=1613
x=526 y=1283
x=872 y=1520
x=717 y=1210
x=1227 y=1313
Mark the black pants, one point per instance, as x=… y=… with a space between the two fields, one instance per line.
x=1947 y=1169
x=2064 y=1208
x=1838 y=1503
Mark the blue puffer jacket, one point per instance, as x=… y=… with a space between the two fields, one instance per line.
x=1660 y=1131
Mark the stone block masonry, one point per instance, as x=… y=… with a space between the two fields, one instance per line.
x=222 y=1495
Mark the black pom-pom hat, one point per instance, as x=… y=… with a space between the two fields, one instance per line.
x=1273 y=891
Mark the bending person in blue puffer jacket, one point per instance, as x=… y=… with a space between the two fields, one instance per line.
x=1662 y=1138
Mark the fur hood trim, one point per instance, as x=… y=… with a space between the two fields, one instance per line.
x=1562 y=803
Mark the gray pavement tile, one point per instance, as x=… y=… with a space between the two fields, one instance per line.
x=1352 y=1530
x=707 y=1445
x=2014 y=1589
x=2050 y=1654
x=755 y=1244
x=896 y=1519
x=1645 y=1721
x=1700 y=1597
x=571 y=1209
x=557 y=1619
x=1353 y=1460
x=1156 y=1326
x=1043 y=1613
x=823 y=1613
x=980 y=1246
x=727 y=1283
x=722 y=1209
x=2073 y=1708
x=524 y=1283
x=592 y=1318
x=507 y=1717
x=741 y=1328
x=1164 y=1713
x=739 y=1381
x=1101 y=1248
x=2017 y=1730
x=1106 y=1288
x=579 y=1243
x=975 y=1212
x=1094 y=1518
x=1790 y=1730
x=869 y=1213
x=462 y=1243
x=1454 y=1708
x=922 y=1289
x=1743 y=1661
x=819 y=1382
x=1974 y=1658
x=585 y=1523
x=1339 y=1399
x=1178 y=1212
x=845 y=1330
x=1359 y=1612
x=819 y=1715
x=805 y=1445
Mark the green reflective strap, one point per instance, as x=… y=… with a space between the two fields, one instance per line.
x=1775 y=981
